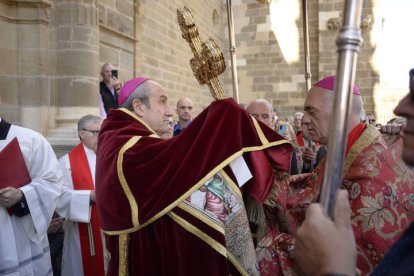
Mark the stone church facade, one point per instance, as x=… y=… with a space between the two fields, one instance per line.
x=52 y=51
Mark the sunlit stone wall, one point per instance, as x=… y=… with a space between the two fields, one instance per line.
x=52 y=51
x=271 y=57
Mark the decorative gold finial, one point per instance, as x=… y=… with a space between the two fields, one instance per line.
x=208 y=61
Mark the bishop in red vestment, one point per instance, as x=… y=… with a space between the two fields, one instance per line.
x=174 y=207
x=378 y=182
x=318 y=251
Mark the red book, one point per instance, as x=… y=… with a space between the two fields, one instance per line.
x=13 y=170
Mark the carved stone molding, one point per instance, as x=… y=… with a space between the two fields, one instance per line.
x=78 y=12
x=334 y=24
x=28 y=3
x=367 y=22
x=25 y=12
x=117 y=33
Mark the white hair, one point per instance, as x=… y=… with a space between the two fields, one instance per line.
x=297 y=114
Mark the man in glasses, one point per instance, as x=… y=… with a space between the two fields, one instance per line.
x=83 y=249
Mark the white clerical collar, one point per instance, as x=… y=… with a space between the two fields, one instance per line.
x=88 y=151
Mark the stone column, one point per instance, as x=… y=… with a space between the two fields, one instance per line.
x=78 y=67
x=24 y=54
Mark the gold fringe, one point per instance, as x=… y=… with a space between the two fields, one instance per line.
x=123 y=255
x=280 y=179
x=256 y=215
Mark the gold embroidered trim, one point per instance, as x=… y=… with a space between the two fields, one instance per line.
x=122 y=180
x=231 y=183
x=123 y=255
x=203 y=236
x=236 y=264
x=262 y=147
x=366 y=138
x=262 y=137
x=191 y=190
x=135 y=116
x=206 y=219
x=206 y=238
x=180 y=199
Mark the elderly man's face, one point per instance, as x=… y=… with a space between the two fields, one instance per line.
x=106 y=73
x=406 y=109
x=159 y=113
x=89 y=135
x=297 y=122
x=318 y=112
x=261 y=112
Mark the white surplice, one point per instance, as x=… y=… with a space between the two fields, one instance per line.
x=24 y=247
x=78 y=211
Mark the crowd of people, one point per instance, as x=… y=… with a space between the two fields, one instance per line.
x=232 y=191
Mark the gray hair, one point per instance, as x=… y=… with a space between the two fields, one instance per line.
x=86 y=119
x=297 y=114
x=141 y=93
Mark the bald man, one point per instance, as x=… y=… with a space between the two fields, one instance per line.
x=262 y=110
x=184 y=111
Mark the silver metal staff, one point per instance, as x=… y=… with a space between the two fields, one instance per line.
x=348 y=43
x=232 y=50
x=308 y=75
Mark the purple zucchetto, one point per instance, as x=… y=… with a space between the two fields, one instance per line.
x=128 y=88
x=329 y=83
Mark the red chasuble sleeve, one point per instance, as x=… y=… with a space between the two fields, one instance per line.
x=141 y=177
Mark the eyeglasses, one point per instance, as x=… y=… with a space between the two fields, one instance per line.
x=94 y=132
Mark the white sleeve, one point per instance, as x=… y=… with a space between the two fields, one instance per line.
x=102 y=111
x=73 y=205
x=43 y=191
